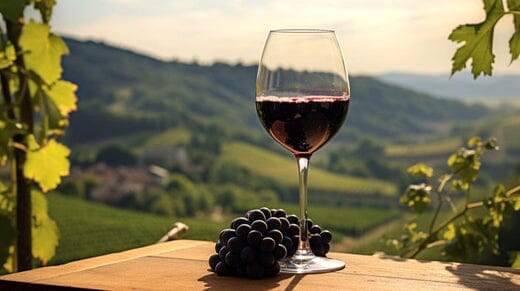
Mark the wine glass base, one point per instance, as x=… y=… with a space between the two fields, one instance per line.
x=311 y=266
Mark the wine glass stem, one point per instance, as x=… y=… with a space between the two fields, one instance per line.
x=303 y=166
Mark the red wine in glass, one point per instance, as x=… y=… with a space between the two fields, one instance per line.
x=302 y=125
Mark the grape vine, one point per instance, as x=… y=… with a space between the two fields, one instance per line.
x=473 y=225
x=478 y=38
x=33 y=114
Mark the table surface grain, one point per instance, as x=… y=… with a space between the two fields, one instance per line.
x=183 y=265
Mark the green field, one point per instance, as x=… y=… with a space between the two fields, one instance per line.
x=89 y=229
x=442 y=147
x=284 y=170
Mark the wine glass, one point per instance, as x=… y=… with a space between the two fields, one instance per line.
x=302 y=98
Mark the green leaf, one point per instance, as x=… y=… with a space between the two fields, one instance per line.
x=42 y=51
x=12 y=9
x=8 y=237
x=478 y=41
x=450 y=232
x=466 y=164
x=7 y=56
x=7 y=130
x=474 y=141
x=47 y=165
x=515 y=260
x=417 y=197
x=420 y=170
x=62 y=93
x=45 y=233
x=514 y=42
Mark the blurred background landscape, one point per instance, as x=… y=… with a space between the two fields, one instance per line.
x=155 y=142
x=166 y=127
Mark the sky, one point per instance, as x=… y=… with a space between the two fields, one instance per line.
x=376 y=36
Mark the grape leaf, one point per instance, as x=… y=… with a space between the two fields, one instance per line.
x=466 y=164
x=514 y=42
x=62 y=93
x=12 y=9
x=47 y=164
x=7 y=56
x=7 y=130
x=45 y=233
x=8 y=236
x=42 y=51
x=478 y=41
x=420 y=170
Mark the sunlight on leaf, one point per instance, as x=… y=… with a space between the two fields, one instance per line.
x=8 y=236
x=45 y=233
x=478 y=41
x=514 y=42
x=42 y=51
x=420 y=170
x=62 y=93
x=47 y=165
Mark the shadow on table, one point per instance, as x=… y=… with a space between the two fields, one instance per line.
x=214 y=282
x=481 y=278
x=477 y=277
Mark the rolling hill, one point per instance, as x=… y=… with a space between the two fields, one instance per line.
x=122 y=93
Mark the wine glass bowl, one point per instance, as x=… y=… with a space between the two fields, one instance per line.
x=302 y=100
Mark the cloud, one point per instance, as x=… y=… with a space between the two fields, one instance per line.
x=376 y=35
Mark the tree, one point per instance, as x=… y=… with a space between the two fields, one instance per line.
x=33 y=114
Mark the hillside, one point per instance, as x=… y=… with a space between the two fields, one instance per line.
x=121 y=93
x=460 y=86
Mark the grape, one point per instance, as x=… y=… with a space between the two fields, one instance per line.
x=225 y=235
x=267 y=259
x=315 y=229
x=280 y=213
x=314 y=239
x=235 y=245
x=222 y=253
x=255 y=214
x=285 y=224
x=293 y=219
x=218 y=245
x=259 y=225
x=242 y=231
x=253 y=244
x=274 y=223
x=232 y=259
x=326 y=236
x=293 y=230
x=239 y=221
x=280 y=252
x=287 y=242
x=222 y=269
x=266 y=211
x=276 y=235
x=213 y=261
x=273 y=270
x=267 y=245
x=254 y=238
x=255 y=270
x=248 y=254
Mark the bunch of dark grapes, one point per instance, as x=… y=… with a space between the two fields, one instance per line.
x=254 y=243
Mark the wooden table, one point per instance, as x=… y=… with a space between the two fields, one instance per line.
x=182 y=265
